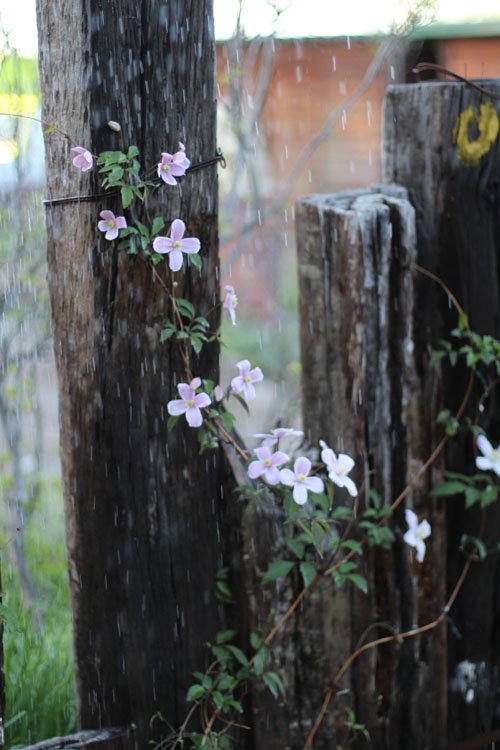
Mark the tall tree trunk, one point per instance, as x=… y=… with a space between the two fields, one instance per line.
x=142 y=506
x=455 y=192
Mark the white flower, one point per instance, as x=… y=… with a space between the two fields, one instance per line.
x=300 y=480
x=338 y=468
x=416 y=533
x=271 y=438
x=490 y=460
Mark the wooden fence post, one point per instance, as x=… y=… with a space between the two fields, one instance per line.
x=452 y=176
x=361 y=393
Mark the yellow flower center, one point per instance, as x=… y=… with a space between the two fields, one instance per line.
x=420 y=533
x=190 y=402
x=301 y=477
x=248 y=379
x=495 y=455
x=165 y=167
x=111 y=223
x=267 y=462
x=177 y=244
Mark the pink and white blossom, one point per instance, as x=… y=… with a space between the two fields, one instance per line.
x=175 y=245
x=416 y=533
x=338 y=468
x=111 y=224
x=490 y=460
x=243 y=383
x=271 y=438
x=173 y=165
x=230 y=302
x=267 y=465
x=300 y=480
x=190 y=403
x=83 y=159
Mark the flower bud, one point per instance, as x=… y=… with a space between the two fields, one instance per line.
x=114 y=126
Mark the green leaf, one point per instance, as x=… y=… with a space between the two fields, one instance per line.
x=196 y=343
x=241 y=401
x=227 y=682
x=111 y=157
x=472 y=496
x=489 y=495
x=127 y=196
x=238 y=655
x=277 y=569
x=259 y=661
x=171 y=423
x=352 y=544
x=308 y=572
x=185 y=307
x=449 y=488
x=158 y=225
x=296 y=546
x=132 y=152
x=274 y=682
x=194 y=693
x=167 y=333
x=342 y=513
x=227 y=421
x=255 y=641
x=195 y=260
x=359 y=581
x=224 y=635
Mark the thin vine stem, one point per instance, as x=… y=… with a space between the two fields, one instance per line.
x=380 y=641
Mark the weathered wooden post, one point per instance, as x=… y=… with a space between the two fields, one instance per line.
x=441 y=142
x=362 y=395
x=143 y=508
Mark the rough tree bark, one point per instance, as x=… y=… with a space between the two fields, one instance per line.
x=142 y=507
x=362 y=395
x=456 y=194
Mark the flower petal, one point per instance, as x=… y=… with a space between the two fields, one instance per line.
x=194 y=417
x=111 y=234
x=424 y=529
x=202 y=400
x=121 y=222
x=177 y=230
x=186 y=391
x=237 y=384
x=350 y=486
x=190 y=245
x=108 y=215
x=256 y=469
x=484 y=445
x=314 y=484
x=243 y=366
x=420 y=547
x=256 y=375
x=300 y=494
x=175 y=260
x=345 y=463
x=162 y=245
x=411 y=519
x=177 y=407
x=272 y=475
x=302 y=466
x=483 y=463
x=287 y=477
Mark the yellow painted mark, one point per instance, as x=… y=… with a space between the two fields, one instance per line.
x=470 y=152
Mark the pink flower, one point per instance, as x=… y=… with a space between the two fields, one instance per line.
x=267 y=465
x=275 y=435
x=218 y=393
x=190 y=403
x=490 y=460
x=84 y=159
x=338 y=468
x=243 y=383
x=111 y=224
x=230 y=303
x=175 y=245
x=173 y=165
x=300 y=480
